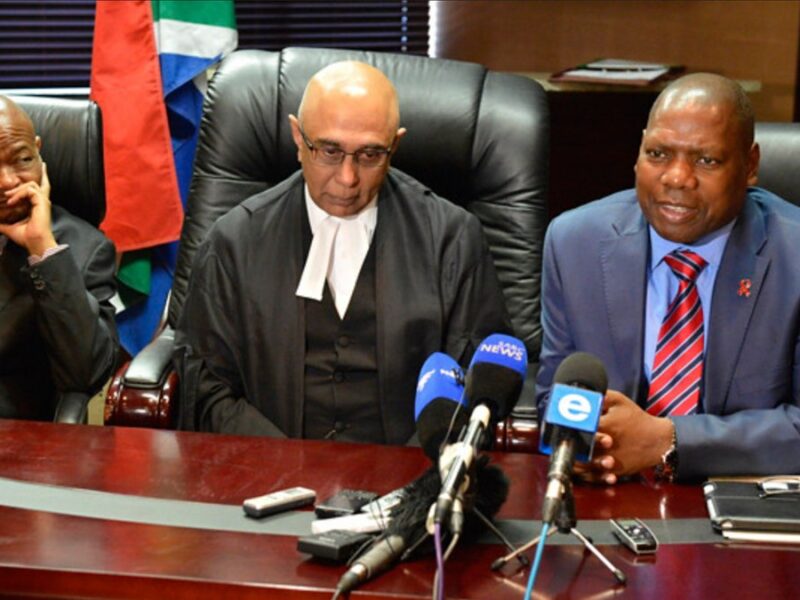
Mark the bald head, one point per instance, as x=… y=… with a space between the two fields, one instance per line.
x=351 y=83
x=713 y=92
x=12 y=114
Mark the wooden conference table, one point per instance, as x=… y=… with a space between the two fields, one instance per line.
x=47 y=554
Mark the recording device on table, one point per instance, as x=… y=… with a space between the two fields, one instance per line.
x=345 y=502
x=347 y=521
x=275 y=502
x=339 y=538
x=335 y=546
x=634 y=535
x=463 y=479
x=354 y=511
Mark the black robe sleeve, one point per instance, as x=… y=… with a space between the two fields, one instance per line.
x=209 y=342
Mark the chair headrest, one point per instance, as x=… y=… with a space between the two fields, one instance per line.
x=471 y=131
x=779 y=170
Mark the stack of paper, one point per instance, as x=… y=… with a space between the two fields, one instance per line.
x=617 y=71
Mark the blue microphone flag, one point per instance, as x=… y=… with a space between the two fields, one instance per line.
x=440 y=377
x=571 y=408
x=503 y=350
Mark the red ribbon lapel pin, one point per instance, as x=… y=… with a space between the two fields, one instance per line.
x=744 y=288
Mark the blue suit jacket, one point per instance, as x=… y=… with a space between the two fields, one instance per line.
x=593 y=300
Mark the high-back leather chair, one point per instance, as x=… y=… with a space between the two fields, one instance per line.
x=779 y=171
x=476 y=137
x=72 y=147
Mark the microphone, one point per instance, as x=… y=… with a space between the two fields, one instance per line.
x=494 y=382
x=496 y=374
x=376 y=560
x=456 y=461
x=405 y=528
x=570 y=422
x=439 y=404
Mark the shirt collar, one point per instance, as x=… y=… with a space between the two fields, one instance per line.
x=710 y=247
x=367 y=216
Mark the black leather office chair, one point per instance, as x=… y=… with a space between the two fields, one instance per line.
x=477 y=137
x=779 y=171
x=72 y=134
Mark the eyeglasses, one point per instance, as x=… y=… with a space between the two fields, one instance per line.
x=331 y=155
x=778 y=486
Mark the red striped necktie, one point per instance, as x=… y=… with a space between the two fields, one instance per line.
x=678 y=364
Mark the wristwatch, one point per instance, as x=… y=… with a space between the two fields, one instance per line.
x=668 y=467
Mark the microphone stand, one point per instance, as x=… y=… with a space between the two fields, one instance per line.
x=523 y=560
x=459 y=502
x=566 y=523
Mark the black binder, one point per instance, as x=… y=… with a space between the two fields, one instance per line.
x=739 y=506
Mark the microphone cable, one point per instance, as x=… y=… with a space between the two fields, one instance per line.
x=536 y=561
x=453 y=418
x=438 y=578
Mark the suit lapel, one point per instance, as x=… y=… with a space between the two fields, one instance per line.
x=623 y=259
x=736 y=292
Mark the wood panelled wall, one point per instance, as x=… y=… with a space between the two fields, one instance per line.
x=746 y=40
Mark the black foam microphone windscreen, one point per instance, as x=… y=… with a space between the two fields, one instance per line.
x=582 y=369
x=496 y=373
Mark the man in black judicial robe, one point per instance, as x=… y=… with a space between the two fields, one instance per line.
x=257 y=354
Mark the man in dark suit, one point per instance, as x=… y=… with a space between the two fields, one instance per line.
x=688 y=290
x=57 y=332
x=312 y=306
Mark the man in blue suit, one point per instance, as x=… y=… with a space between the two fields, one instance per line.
x=610 y=288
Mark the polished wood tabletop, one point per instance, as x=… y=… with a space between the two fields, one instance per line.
x=45 y=554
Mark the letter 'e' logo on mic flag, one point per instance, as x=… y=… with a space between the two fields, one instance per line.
x=571 y=408
x=575 y=408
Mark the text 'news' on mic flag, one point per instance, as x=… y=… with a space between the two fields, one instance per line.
x=503 y=350
x=149 y=62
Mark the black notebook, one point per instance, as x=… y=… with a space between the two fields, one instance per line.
x=739 y=506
